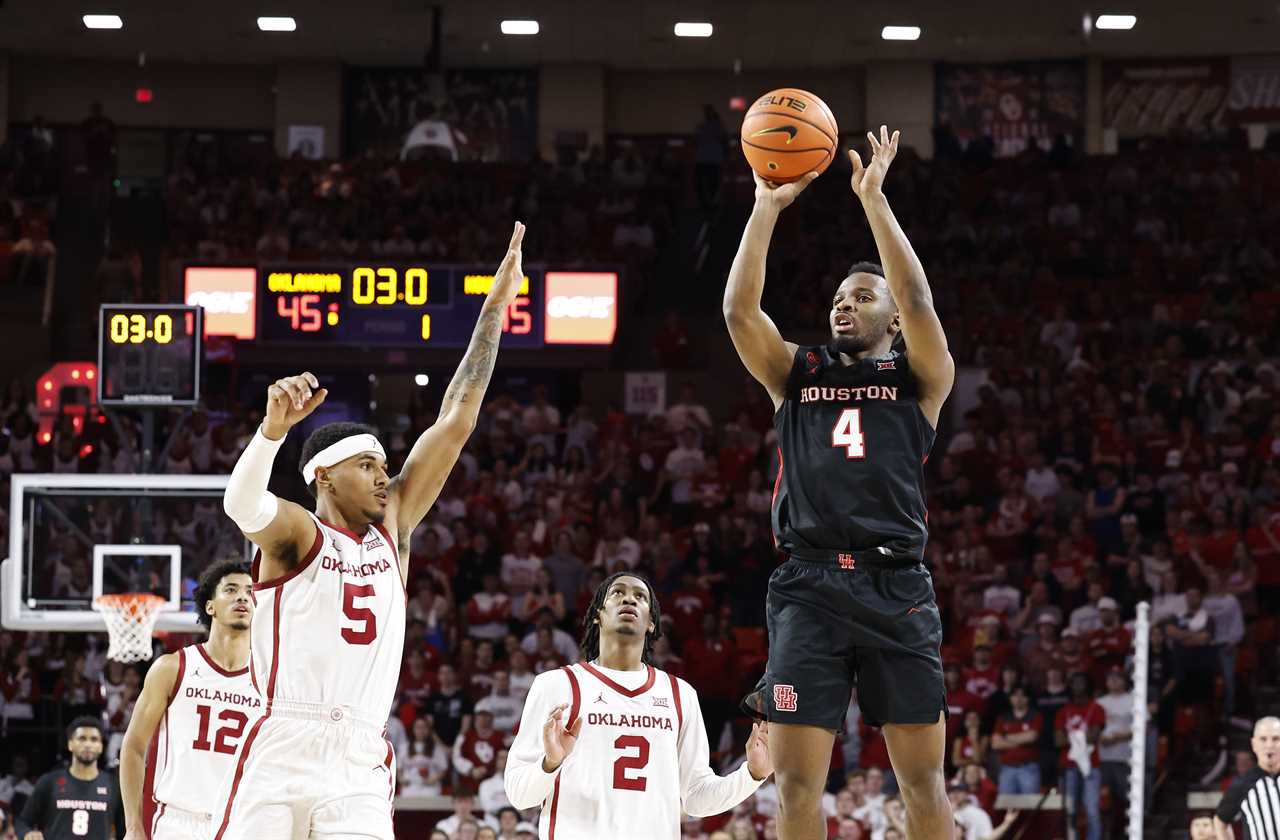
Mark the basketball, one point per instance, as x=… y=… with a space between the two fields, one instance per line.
x=788 y=133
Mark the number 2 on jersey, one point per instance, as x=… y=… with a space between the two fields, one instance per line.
x=848 y=433
x=621 y=781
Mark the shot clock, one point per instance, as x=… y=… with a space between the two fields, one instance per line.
x=149 y=354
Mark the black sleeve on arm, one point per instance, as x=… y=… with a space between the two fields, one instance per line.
x=1229 y=807
x=34 y=812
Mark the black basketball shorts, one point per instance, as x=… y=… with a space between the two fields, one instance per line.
x=834 y=622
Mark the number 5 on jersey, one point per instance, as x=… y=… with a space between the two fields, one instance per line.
x=848 y=433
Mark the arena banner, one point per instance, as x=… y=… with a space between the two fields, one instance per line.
x=1153 y=98
x=466 y=115
x=1016 y=104
x=1254 y=96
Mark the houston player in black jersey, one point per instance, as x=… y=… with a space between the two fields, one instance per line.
x=79 y=802
x=855 y=423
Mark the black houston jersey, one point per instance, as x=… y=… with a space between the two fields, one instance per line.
x=853 y=442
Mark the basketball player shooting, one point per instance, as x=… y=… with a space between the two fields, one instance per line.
x=195 y=706
x=855 y=423
x=613 y=747
x=330 y=586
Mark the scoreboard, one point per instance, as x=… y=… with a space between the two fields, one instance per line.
x=404 y=304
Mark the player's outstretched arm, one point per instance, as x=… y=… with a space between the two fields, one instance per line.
x=431 y=460
x=755 y=336
x=282 y=529
x=926 y=341
x=702 y=792
x=147 y=712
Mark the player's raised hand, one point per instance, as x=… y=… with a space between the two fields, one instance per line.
x=759 y=761
x=868 y=180
x=557 y=740
x=778 y=196
x=289 y=400
x=510 y=273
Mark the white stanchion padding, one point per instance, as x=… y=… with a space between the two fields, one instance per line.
x=1138 y=738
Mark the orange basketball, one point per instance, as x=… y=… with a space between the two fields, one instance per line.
x=787 y=133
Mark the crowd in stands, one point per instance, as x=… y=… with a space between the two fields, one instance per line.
x=1117 y=442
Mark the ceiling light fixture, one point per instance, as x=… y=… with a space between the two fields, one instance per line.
x=277 y=24
x=900 y=33
x=693 y=30
x=103 y=22
x=1116 y=21
x=519 y=27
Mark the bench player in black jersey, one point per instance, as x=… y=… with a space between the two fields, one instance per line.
x=79 y=802
x=855 y=422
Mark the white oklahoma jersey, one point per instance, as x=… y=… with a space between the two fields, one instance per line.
x=194 y=748
x=327 y=640
x=641 y=759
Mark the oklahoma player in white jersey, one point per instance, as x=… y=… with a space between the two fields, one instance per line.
x=191 y=716
x=330 y=589
x=633 y=752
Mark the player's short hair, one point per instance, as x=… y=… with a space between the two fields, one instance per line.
x=87 y=721
x=207 y=586
x=326 y=436
x=590 y=645
x=864 y=267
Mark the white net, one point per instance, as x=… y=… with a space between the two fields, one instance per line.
x=130 y=619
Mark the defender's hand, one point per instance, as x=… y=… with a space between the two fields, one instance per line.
x=289 y=401
x=510 y=273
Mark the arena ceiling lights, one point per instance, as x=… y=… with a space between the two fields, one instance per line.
x=693 y=30
x=1116 y=21
x=277 y=24
x=900 y=33
x=519 y=27
x=103 y=22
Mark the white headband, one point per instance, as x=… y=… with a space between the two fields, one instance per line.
x=341 y=451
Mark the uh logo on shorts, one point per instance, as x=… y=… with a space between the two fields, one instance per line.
x=784 y=698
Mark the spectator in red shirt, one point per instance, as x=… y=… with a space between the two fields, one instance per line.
x=1109 y=644
x=489 y=610
x=983 y=678
x=1219 y=545
x=475 y=753
x=1076 y=730
x=970 y=746
x=1045 y=654
x=1071 y=656
x=959 y=701
x=709 y=667
x=1014 y=742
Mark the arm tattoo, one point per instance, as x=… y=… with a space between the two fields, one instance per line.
x=472 y=377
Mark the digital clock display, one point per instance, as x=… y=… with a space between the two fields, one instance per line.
x=149 y=354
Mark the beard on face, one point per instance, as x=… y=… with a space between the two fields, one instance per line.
x=849 y=343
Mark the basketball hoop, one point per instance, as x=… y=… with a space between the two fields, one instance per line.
x=130 y=618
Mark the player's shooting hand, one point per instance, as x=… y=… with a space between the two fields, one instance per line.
x=777 y=196
x=759 y=761
x=557 y=740
x=290 y=400
x=510 y=273
x=868 y=180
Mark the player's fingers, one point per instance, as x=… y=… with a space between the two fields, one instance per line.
x=576 y=729
x=555 y=713
x=856 y=160
x=294 y=391
x=311 y=379
x=893 y=142
x=884 y=135
x=875 y=144
x=517 y=237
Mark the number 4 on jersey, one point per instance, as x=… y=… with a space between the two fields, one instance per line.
x=848 y=433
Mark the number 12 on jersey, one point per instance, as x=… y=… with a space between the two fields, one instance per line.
x=848 y=433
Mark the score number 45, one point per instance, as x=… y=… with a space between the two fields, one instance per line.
x=516 y=320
